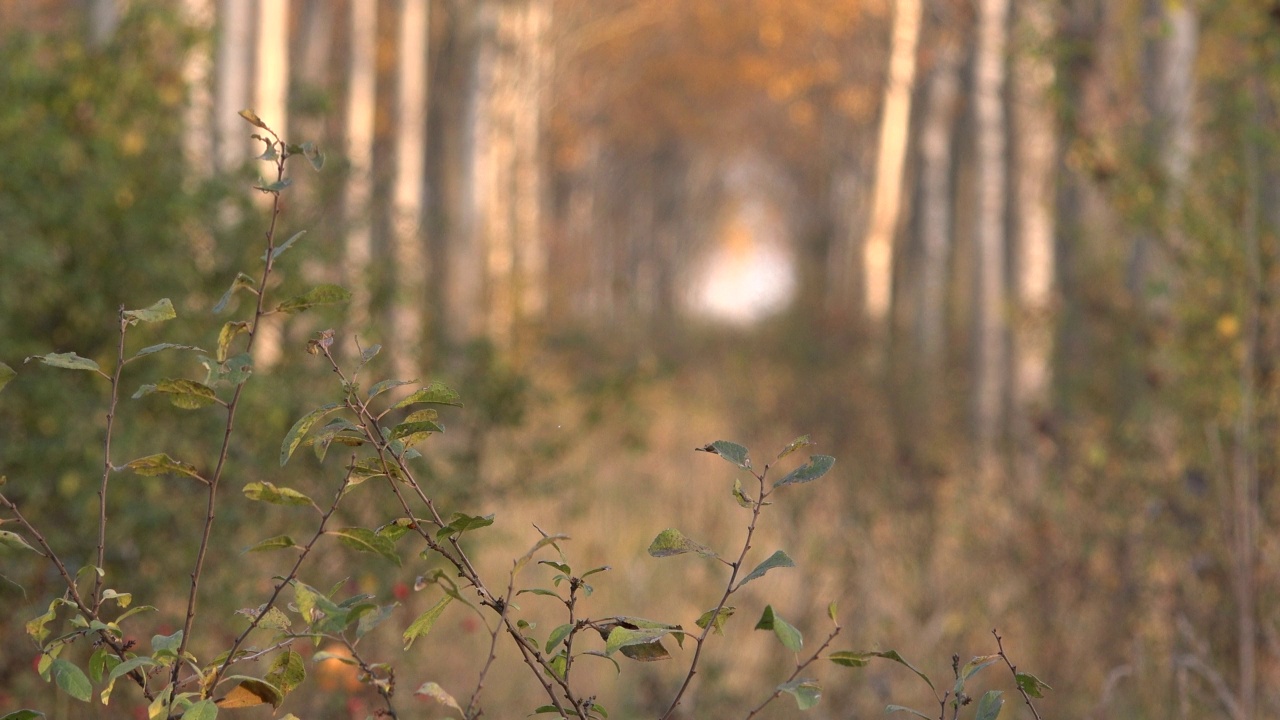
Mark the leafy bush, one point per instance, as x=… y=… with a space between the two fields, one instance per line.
x=375 y=427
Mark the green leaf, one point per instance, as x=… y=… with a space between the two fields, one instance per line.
x=385 y=385
x=279 y=542
x=436 y=393
x=903 y=708
x=797 y=444
x=403 y=430
x=202 y=710
x=371 y=620
x=790 y=637
x=558 y=635
x=23 y=715
x=859 y=659
x=186 y=394
x=164 y=346
x=242 y=282
x=806 y=692
x=37 y=626
x=161 y=464
x=120 y=671
x=71 y=680
x=324 y=294
x=720 y=619
x=972 y=667
x=989 y=706
x=159 y=312
x=227 y=334
x=741 y=497
x=776 y=560
x=731 y=451
x=98 y=664
x=233 y=371
x=647 y=638
x=423 y=624
x=673 y=542
x=287 y=671
x=366 y=540
x=831 y=612
x=339 y=430
x=274 y=187
x=279 y=249
x=433 y=691
x=462 y=522
x=273 y=619
x=122 y=599
x=6 y=374
x=817 y=466
x=1031 y=685
x=68 y=361
x=848 y=658
x=313 y=155
x=268 y=492
x=15 y=541
x=294 y=437
x=166 y=644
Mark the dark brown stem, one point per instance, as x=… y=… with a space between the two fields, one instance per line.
x=286 y=580
x=729 y=589
x=1014 y=670
x=216 y=477
x=800 y=666
x=106 y=462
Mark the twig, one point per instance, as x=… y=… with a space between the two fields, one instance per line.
x=106 y=461
x=286 y=580
x=729 y=589
x=800 y=666
x=231 y=406
x=1013 y=669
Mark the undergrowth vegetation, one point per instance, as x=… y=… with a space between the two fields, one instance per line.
x=169 y=647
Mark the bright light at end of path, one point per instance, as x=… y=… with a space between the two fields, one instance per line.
x=748 y=274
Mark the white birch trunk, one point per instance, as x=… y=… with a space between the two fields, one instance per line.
x=358 y=191
x=235 y=58
x=271 y=100
x=531 y=252
x=198 y=145
x=1035 y=150
x=894 y=132
x=990 y=362
x=411 y=131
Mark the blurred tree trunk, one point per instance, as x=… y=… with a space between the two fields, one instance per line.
x=235 y=58
x=1034 y=152
x=104 y=16
x=197 y=72
x=937 y=136
x=895 y=130
x=990 y=336
x=271 y=101
x=410 y=158
x=358 y=192
x=497 y=272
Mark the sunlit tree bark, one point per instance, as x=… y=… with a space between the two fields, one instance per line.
x=197 y=72
x=235 y=58
x=411 y=130
x=1034 y=154
x=990 y=374
x=894 y=133
x=271 y=102
x=358 y=191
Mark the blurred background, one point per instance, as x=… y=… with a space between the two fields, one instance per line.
x=1012 y=262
